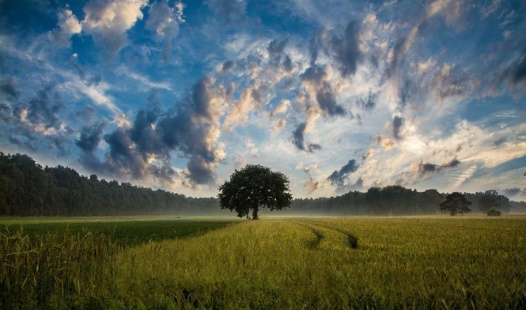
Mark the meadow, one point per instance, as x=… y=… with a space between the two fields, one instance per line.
x=273 y=263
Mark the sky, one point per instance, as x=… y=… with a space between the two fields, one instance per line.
x=337 y=95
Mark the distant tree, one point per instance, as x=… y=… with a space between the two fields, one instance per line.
x=455 y=203
x=255 y=187
x=494 y=212
x=492 y=199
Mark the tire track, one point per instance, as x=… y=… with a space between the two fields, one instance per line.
x=323 y=231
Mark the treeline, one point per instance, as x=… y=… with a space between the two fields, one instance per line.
x=28 y=189
x=397 y=200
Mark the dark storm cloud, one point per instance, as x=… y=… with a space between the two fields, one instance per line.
x=8 y=87
x=346 y=50
x=338 y=176
x=90 y=137
x=398 y=122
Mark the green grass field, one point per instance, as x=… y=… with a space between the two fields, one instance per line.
x=287 y=263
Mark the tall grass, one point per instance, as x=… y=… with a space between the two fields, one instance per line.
x=57 y=271
x=398 y=263
x=437 y=263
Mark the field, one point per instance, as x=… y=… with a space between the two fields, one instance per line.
x=274 y=263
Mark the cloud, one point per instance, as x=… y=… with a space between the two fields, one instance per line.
x=68 y=25
x=426 y=168
x=227 y=66
x=298 y=139
x=276 y=51
x=122 y=158
x=451 y=164
x=90 y=137
x=327 y=100
x=229 y=12
x=193 y=129
x=94 y=91
x=298 y=136
x=145 y=82
x=346 y=49
x=143 y=148
x=36 y=124
x=519 y=72
x=238 y=114
x=338 y=176
x=143 y=133
x=108 y=21
x=510 y=192
x=42 y=110
x=369 y=103
x=398 y=122
x=315 y=81
x=311 y=185
x=8 y=87
x=164 y=20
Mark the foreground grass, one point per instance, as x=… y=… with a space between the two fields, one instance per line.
x=309 y=263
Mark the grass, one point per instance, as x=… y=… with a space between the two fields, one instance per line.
x=125 y=231
x=294 y=263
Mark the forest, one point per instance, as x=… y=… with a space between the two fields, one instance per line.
x=28 y=189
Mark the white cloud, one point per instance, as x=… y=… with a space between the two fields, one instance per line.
x=164 y=20
x=68 y=25
x=95 y=92
x=108 y=21
x=144 y=82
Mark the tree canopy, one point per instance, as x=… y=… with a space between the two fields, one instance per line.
x=455 y=203
x=492 y=199
x=255 y=187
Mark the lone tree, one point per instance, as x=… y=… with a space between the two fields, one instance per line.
x=492 y=199
x=494 y=212
x=455 y=203
x=255 y=187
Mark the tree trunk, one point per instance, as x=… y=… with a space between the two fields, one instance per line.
x=255 y=214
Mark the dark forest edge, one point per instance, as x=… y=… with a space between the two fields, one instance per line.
x=28 y=189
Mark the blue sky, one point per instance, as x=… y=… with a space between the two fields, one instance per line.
x=338 y=95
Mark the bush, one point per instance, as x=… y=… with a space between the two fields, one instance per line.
x=494 y=212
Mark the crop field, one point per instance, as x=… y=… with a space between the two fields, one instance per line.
x=273 y=263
